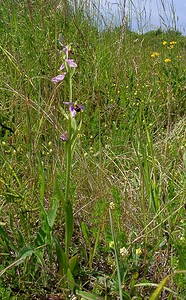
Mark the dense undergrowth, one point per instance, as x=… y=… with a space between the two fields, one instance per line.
x=128 y=172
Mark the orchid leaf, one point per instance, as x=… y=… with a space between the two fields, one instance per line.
x=159 y=289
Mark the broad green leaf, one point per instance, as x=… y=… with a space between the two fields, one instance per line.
x=58 y=193
x=86 y=295
x=60 y=257
x=25 y=252
x=41 y=237
x=85 y=231
x=39 y=255
x=51 y=215
x=45 y=229
x=70 y=279
x=21 y=238
x=160 y=287
x=69 y=223
x=72 y=263
x=43 y=213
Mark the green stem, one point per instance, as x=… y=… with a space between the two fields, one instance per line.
x=70 y=87
x=68 y=164
x=68 y=170
x=116 y=256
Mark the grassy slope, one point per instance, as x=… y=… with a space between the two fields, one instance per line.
x=131 y=150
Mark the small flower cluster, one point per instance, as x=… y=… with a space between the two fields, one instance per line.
x=155 y=54
x=173 y=43
x=67 y=65
x=67 y=68
x=167 y=60
x=170 y=45
x=138 y=251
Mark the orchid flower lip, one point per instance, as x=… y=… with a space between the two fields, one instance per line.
x=70 y=62
x=72 y=111
x=74 y=108
x=59 y=78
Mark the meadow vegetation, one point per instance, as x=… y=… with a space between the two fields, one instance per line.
x=123 y=229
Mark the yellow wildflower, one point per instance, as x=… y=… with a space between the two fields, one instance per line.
x=164 y=43
x=173 y=43
x=155 y=54
x=167 y=60
x=111 y=244
x=138 y=251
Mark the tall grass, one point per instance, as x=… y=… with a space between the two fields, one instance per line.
x=127 y=179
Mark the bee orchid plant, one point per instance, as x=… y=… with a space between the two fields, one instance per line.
x=69 y=137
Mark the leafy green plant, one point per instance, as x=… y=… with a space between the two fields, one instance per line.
x=60 y=172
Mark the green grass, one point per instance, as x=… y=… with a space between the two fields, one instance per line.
x=128 y=172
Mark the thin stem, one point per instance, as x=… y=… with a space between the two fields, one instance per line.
x=68 y=161
x=116 y=257
x=70 y=87
x=68 y=170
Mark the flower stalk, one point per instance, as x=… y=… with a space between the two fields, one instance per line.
x=69 y=137
x=68 y=235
